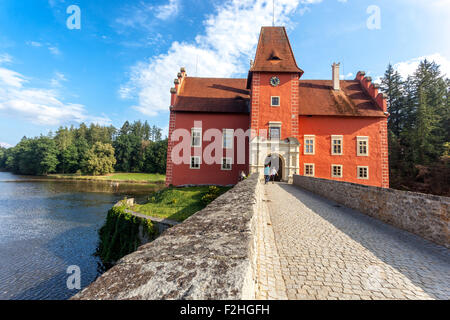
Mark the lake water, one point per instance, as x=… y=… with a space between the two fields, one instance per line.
x=47 y=226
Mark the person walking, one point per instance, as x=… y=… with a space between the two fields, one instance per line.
x=266 y=174
x=273 y=173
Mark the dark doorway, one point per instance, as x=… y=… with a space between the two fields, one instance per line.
x=274 y=161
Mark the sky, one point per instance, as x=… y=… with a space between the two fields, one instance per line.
x=108 y=61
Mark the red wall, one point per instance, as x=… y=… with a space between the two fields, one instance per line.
x=210 y=174
x=265 y=112
x=350 y=128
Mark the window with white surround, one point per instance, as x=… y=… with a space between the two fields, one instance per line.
x=309 y=143
x=227 y=138
x=274 y=130
x=309 y=170
x=275 y=101
x=195 y=162
x=274 y=133
x=336 y=171
x=196 y=137
x=336 y=145
x=362 y=146
x=363 y=172
x=227 y=163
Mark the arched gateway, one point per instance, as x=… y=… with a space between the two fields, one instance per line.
x=281 y=154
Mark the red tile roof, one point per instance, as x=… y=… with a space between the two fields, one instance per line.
x=317 y=98
x=213 y=95
x=274 y=52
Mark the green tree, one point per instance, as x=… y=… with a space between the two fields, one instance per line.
x=99 y=159
x=46 y=154
x=2 y=158
x=156 y=157
x=392 y=85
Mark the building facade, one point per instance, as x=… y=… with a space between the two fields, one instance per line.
x=332 y=129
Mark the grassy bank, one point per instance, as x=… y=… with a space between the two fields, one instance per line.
x=179 y=203
x=152 y=178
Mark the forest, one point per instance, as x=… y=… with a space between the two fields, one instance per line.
x=418 y=126
x=89 y=150
x=419 y=129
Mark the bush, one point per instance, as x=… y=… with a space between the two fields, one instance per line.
x=213 y=193
x=119 y=236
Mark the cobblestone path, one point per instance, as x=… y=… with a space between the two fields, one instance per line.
x=311 y=248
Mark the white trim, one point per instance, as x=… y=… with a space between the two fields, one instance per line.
x=337 y=138
x=332 y=171
x=358 y=140
x=275 y=126
x=357 y=172
x=231 y=164
x=192 y=136
x=313 y=169
x=271 y=101
x=230 y=131
x=309 y=137
x=199 y=163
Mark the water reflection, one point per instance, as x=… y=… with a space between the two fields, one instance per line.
x=46 y=226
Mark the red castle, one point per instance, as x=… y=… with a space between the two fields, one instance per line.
x=332 y=129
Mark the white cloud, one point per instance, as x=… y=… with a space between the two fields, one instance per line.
x=5 y=145
x=57 y=79
x=407 y=68
x=142 y=15
x=39 y=105
x=168 y=10
x=347 y=76
x=54 y=50
x=11 y=78
x=5 y=58
x=223 y=50
x=34 y=44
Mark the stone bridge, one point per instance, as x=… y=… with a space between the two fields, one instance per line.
x=280 y=241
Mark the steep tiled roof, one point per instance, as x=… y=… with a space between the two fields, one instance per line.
x=317 y=97
x=274 y=52
x=213 y=95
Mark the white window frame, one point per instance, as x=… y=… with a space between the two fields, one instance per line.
x=332 y=171
x=362 y=167
x=274 y=125
x=313 y=170
x=275 y=105
x=199 y=162
x=196 y=130
x=337 y=138
x=309 y=137
x=231 y=164
x=226 y=132
x=361 y=139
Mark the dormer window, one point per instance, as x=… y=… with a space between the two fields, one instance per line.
x=274 y=56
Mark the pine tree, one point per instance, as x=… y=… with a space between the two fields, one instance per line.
x=392 y=85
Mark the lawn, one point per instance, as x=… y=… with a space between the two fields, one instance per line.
x=176 y=203
x=122 y=177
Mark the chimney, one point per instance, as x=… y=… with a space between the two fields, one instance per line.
x=336 y=79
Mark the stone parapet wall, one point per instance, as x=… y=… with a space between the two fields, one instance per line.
x=211 y=255
x=425 y=215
